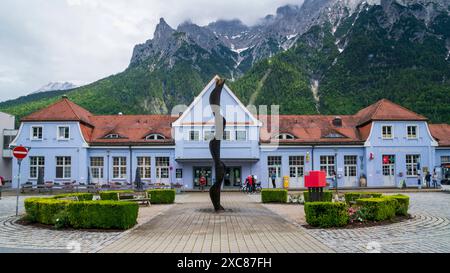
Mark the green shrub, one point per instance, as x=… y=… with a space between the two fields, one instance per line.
x=273 y=196
x=327 y=195
x=351 y=197
x=103 y=214
x=378 y=209
x=402 y=204
x=162 y=196
x=112 y=195
x=82 y=214
x=326 y=214
x=80 y=196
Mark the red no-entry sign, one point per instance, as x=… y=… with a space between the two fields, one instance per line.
x=20 y=152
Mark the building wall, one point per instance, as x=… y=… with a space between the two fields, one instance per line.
x=6 y=122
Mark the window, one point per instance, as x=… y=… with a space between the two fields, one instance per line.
x=284 y=137
x=37 y=164
x=120 y=167
x=112 y=136
x=6 y=141
x=97 y=167
x=179 y=173
x=209 y=135
x=63 y=167
x=145 y=166
x=445 y=159
x=350 y=165
x=155 y=137
x=296 y=166
x=36 y=133
x=412 y=132
x=194 y=135
x=63 y=132
x=227 y=135
x=334 y=135
x=412 y=164
x=327 y=164
x=388 y=165
x=162 y=167
x=241 y=135
x=274 y=165
x=387 y=132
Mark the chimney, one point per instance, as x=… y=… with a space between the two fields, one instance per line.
x=337 y=122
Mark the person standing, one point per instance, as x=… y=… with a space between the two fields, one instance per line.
x=250 y=184
x=254 y=183
x=274 y=177
x=419 y=180
x=434 y=177
x=428 y=179
x=202 y=182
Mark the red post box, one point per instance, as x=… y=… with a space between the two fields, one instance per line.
x=316 y=179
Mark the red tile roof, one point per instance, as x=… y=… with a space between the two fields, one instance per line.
x=441 y=132
x=386 y=110
x=62 y=110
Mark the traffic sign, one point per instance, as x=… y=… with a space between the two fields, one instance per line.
x=20 y=152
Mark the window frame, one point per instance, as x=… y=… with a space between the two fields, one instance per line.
x=350 y=161
x=155 y=137
x=120 y=167
x=382 y=131
x=412 y=166
x=297 y=169
x=64 y=167
x=36 y=166
x=407 y=131
x=190 y=135
x=32 y=133
x=240 y=131
x=327 y=165
x=145 y=166
x=100 y=169
x=160 y=167
x=58 y=132
x=271 y=164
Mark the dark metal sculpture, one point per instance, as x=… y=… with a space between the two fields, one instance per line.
x=214 y=144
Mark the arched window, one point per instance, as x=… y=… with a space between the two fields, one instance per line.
x=284 y=137
x=155 y=137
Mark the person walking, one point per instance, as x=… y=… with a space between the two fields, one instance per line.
x=202 y=182
x=428 y=179
x=254 y=183
x=250 y=184
x=435 y=178
x=419 y=180
x=273 y=176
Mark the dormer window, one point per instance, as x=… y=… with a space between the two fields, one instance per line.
x=285 y=137
x=334 y=135
x=112 y=136
x=155 y=137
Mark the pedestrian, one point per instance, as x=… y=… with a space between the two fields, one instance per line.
x=250 y=184
x=428 y=179
x=274 y=177
x=334 y=179
x=254 y=182
x=202 y=182
x=1 y=186
x=419 y=180
x=434 y=177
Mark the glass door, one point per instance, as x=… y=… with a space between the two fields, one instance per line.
x=389 y=170
x=233 y=177
x=202 y=171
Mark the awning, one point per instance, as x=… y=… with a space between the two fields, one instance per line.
x=225 y=160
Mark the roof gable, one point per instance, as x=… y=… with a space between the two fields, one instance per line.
x=441 y=132
x=386 y=110
x=62 y=110
x=199 y=112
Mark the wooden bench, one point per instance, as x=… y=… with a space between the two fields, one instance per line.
x=140 y=197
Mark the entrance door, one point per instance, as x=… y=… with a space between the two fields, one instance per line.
x=389 y=170
x=202 y=171
x=233 y=177
x=350 y=167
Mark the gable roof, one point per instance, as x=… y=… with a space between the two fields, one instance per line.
x=441 y=132
x=62 y=110
x=201 y=95
x=386 y=110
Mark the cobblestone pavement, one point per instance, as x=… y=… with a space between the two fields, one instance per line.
x=192 y=226
x=18 y=238
x=427 y=232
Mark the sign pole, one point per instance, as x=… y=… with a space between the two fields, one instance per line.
x=19 y=161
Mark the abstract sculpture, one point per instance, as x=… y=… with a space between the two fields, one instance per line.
x=214 y=144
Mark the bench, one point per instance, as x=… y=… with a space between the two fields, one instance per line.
x=69 y=198
x=140 y=197
x=27 y=186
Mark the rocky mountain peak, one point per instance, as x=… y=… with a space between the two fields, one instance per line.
x=163 y=30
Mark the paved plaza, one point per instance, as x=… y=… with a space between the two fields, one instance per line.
x=246 y=226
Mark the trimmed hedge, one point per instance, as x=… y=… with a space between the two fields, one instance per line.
x=327 y=195
x=162 y=196
x=353 y=196
x=83 y=214
x=273 y=196
x=80 y=196
x=326 y=214
x=402 y=204
x=378 y=209
x=112 y=195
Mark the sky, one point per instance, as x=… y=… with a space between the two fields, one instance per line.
x=81 y=41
